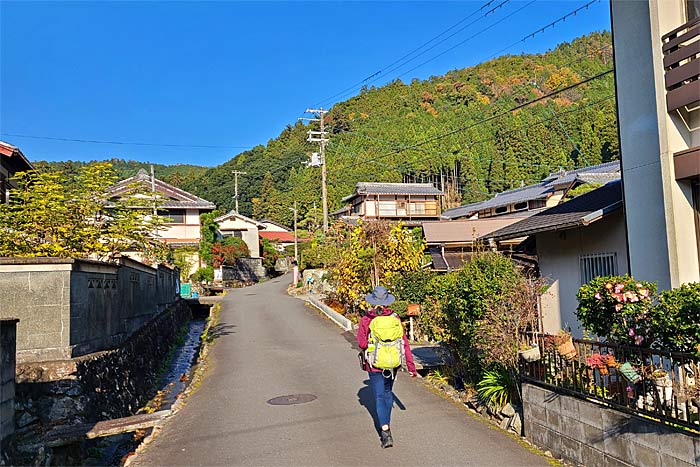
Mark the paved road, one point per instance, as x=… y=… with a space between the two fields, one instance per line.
x=271 y=345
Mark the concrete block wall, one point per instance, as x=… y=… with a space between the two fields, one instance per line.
x=585 y=433
x=245 y=270
x=69 y=308
x=8 y=335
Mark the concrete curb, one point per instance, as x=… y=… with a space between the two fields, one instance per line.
x=336 y=317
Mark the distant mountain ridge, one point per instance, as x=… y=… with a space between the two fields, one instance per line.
x=440 y=130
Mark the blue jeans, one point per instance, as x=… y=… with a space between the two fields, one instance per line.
x=383 y=396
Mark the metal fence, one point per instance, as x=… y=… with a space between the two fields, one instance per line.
x=663 y=386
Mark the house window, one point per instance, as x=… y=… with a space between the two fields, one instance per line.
x=501 y=210
x=692 y=9
x=175 y=216
x=416 y=208
x=520 y=206
x=599 y=264
x=537 y=203
x=387 y=208
x=234 y=233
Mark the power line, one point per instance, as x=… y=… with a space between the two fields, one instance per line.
x=456 y=45
x=489 y=118
x=94 y=141
x=380 y=71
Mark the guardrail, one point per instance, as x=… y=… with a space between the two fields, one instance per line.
x=663 y=386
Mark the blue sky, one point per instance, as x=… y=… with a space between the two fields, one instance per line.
x=227 y=75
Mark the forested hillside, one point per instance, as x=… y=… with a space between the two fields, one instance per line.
x=176 y=174
x=490 y=148
x=464 y=131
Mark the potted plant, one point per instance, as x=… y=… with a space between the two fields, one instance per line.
x=663 y=383
x=564 y=345
x=529 y=352
x=601 y=362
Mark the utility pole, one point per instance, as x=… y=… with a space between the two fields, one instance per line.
x=320 y=137
x=236 y=173
x=296 y=249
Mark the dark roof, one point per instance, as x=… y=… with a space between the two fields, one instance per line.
x=581 y=210
x=372 y=188
x=451 y=259
x=174 y=197
x=601 y=173
x=19 y=161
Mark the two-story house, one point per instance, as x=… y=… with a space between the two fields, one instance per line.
x=11 y=161
x=657 y=81
x=530 y=199
x=412 y=203
x=182 y=210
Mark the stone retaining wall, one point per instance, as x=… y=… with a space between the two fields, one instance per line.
x=94 y=387
x=244 y=270
x=8 y=333
x=585 y=433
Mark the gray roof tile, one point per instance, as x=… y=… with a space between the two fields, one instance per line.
x=567 y=215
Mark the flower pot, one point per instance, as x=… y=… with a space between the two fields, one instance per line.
x=567 y=350
x=629 y=373
x=530 y=355
x=664 y=387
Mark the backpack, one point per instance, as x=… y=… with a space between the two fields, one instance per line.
x=385 y=343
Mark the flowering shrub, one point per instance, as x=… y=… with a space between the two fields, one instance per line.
x=601 y=362
x=228 y=251
x=618 y=308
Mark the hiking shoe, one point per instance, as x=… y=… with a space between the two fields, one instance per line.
x=387 y=440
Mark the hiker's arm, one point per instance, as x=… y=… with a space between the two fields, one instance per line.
x=363 y=333
x=409 y=357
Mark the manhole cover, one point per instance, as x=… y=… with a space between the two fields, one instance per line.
x=292 y=399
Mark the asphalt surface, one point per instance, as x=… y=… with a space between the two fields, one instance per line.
x=269 y=345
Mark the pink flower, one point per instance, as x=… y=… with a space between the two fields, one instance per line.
x=598 y=297
x=639 y=285
x=631 y=332
x=618 y=307
x=638 y=340
x=608 y=286
x=619 y=287
x=644 y=293
x=618 y=296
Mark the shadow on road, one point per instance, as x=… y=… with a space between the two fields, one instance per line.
x=365 y=397
x=220 y=330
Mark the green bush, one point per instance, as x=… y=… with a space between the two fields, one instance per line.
x=675 y=319
x=497 y=388
x=203 y=274
x=411 y=286
x=399 y=307
x=618 y=308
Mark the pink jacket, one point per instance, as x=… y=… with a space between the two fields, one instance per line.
x=363 y=335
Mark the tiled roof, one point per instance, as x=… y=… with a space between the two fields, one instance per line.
x=373 y=188
x=175 y=197
x=468 y=230
x=601 y=173
x=581 y=210
x=240 y=216
x=285 y=237
x=22 y=163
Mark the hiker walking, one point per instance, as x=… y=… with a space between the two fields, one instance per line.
x=383 y=340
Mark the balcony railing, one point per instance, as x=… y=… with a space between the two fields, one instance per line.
x=663 y=386
x=681 y=48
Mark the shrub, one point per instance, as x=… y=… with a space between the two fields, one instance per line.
x=203 y=274
x=497 y=387
x=618 y=308
x=411 y=286
x=230 y=249
x=675 y=319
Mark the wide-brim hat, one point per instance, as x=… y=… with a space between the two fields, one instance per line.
x=380 y=296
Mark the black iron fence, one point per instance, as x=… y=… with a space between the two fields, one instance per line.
x=663 y=386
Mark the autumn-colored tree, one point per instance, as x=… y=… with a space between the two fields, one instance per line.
x=72 y=216
x=377 y=251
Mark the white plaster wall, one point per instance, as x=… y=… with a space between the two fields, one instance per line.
x=249 y=233
x=559 y=253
